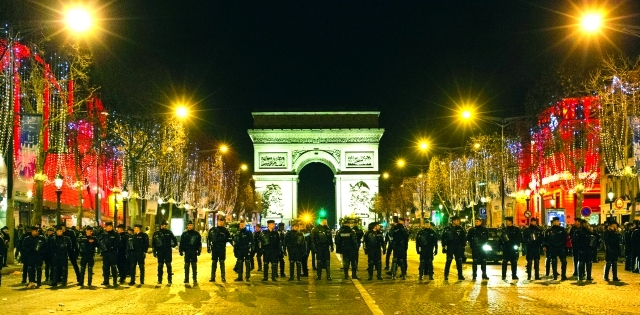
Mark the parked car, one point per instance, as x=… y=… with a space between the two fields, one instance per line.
x=491 y=248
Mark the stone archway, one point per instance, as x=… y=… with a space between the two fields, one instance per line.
x=346 y=142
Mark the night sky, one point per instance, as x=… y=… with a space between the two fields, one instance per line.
x=414 y=61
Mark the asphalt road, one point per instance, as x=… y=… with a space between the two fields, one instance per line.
x=339 y=296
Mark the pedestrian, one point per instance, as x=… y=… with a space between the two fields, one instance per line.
x=547 y=259
x=635 y=247
x=427 y=248
x=628 y=246
x=270 y=243
x=306 y=230
x=190 y=247
x=510 y=241
x=373 y=244
x=400 y=244
x=532 y=239
x=109 y=244
x=478 y=238
x=34 y=247
x=5 y=249
x=137 y=246
x=123 y=260
x=73 y=251
x=162 y=243
x=217 y=241
x=87 y=244
x=296 y=247
x=257 y=253
x=346 y=245
x=283 y=250
x=387 y=243
x=611 y=240
x=60 y=248
x=242 y=248
x=555 y=247
x=322 y=243
x=453 y=244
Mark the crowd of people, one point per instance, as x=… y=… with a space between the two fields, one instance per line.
x=124 y=250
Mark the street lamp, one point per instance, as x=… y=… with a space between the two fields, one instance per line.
x=58 y=183
x=610 y=195
x=125 y=206
x=467 y=115
x=115 y=191
x=527 y=193
x=29 y=195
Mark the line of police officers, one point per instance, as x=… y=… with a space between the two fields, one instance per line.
x=124 y=252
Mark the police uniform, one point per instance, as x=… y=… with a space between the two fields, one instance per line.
x=270 y=243
x=322 y=244
x=296 y=249
x=283 y=250
x=163 y=241
x=73 y=251
x=137 y=246
x=123 y=260
x=34 y=248
x=478 y=237
x=87 y=245
x=242 y=248
x=346 y=244
x=217 y=240
x=400 y=245
x=60 y=247
x=532 y=238
x=109 y=246
x=373 y=244
x=611 y=240
x=510 y=242
x=257 y=252
x=453 y=243
x=190 y=247
x=426 y=247
x=556 y=243
x=584 y=243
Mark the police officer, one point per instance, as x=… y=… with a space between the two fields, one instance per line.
x=359 y=236
x=137 y=246
x=555 y=247
x=346 y=244
x=87 y=244
x=163 y=241
x=296 y=247
x=478 y=237
x=532 y=239
x=34 y=247
x=628 y=252
x=217 y=240
x=574 y=250
x=306 y=230
x=60 y=248
x=190 y=247
x=257 y=253
x=584 y=243
x=547 y=259
x=242 y=248
x=373 y=244
x=123 y=261
x=109 y=246
x=611 y=240
x=283 y=250
x=427 y=247
x=387 y=243
x=322 y=245
x=50 y=233
x=73 y=251
x=635 y=248
x=400 y=245
x=453 y=243
x=510 y=241
x=270 y=243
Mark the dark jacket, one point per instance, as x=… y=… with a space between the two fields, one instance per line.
x=163 y=240
x=427 y=241
x=110 y=242
x=87 y=245
x=138 y=242
x=477 y=237
x=218 y=238
x=373 y=243
x=346 y=240
x=454 y=237
x=190 y=241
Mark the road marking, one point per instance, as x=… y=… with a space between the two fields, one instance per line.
x=371 y=303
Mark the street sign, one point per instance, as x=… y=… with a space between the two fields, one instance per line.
x=482 y=213
x=586 y=211
x=527 y=214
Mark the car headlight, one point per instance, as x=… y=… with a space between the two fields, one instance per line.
x=515 y=247
x=486 y=247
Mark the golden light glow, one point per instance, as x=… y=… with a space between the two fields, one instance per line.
x=476 y=145
x=224 y=148
x=424 y=145
x=385 y=175
x=401 y=163
x=591 y=22
x=182 y=112
x=306 y=217
x=466 y=114
x=78 y=20
x=244 y=167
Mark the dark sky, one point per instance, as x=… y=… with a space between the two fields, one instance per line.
x=411 y=60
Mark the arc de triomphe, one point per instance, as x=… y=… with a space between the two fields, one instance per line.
x=346 y=142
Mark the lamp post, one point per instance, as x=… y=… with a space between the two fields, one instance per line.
x=610 y=194
x=115 y=191
x=58 y=183
x=29 y=195
x=125 y=206
x=527 y=197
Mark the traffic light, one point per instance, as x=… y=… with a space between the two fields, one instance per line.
x=322 y=213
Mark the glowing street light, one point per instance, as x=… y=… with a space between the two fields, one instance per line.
x=79 y=20
x=466 y=114
x=244 y=167
x=385 y=175
x=224 y=148
x=401 y=163
x=424 y=145
x=591 y=22
x=182 y=112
